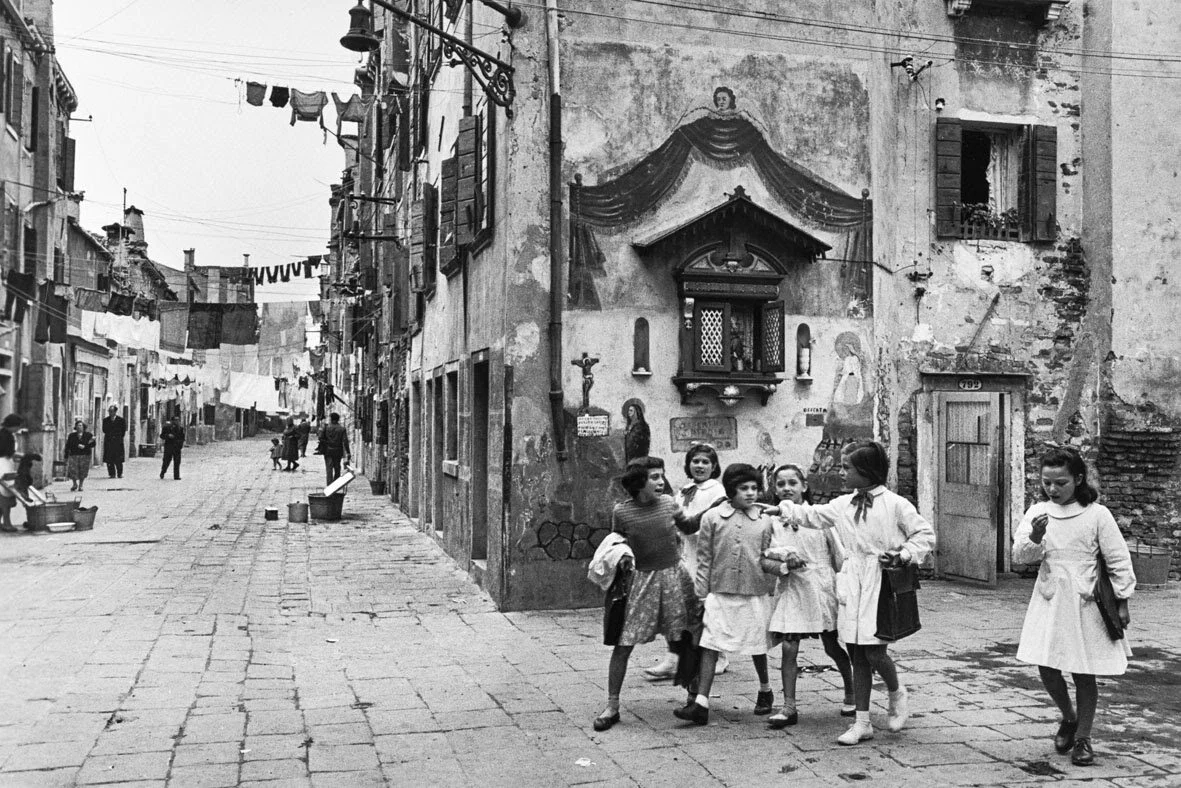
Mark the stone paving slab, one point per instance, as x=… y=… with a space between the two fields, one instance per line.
x=187 y=641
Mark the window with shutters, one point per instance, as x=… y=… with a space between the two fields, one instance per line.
x=995 y=182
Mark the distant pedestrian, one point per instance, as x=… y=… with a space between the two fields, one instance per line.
x=1063 y=628
x=11 y=425
x=79 y=452
x=805 y=596
x=276 y=454
x=334 y=445
x=657 y=603
x=114 y=431
x=291 y=445
x=733 y=584
x=882 y=529
x=305 y=432
x=173 y=436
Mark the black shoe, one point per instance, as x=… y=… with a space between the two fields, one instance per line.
x=1064 y=738
x=765 y=702
x=694 y=713
x=783 y=720
x=1083 y=755
x=605 y=722
x=161 y=474
x=176 y=477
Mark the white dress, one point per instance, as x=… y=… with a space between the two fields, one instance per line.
x=1063 y=628
x=891 y=523
x=805 y=598
x=695 y=499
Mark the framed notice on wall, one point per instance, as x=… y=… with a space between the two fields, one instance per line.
x=719 y=431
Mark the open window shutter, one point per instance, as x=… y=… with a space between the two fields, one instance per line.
x=1043 y=182
x=773 y=337
x=448 y=183
x=430 y=228
x=3 y=76
x=18 y=97
x=948 y=149
x=404 y=132
x=417 y=243
x=711 y=337
x=468 y=180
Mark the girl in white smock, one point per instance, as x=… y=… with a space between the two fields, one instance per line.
x=805 y=595
x=702 y=492
x=878 y=528
x=1063 y=629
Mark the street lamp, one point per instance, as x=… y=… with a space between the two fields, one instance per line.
x=494 y=75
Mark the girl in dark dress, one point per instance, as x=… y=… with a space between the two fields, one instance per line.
x=291 y=445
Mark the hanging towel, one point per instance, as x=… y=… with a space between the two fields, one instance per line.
x=239 y=324
x=307 y=106
x=204 y=326
x=22 y=291
x=279 y=96
x=90 y=300
x=255 y=93
x=174 y=324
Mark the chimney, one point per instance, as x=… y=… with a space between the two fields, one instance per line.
x=133 y=218
x=190 y=259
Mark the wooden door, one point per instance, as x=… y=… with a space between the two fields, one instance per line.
x=968 y=438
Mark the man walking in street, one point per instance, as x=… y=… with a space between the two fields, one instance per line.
x=334 y=444
x=173 y=436
x=114 y=430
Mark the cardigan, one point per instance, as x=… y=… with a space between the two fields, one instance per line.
x=730 y=548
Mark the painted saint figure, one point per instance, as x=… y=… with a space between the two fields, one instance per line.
x=637 y=437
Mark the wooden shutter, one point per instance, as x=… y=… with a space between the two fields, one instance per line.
x=3 y=76
x=18 y=96
x=468 y=180
x=430 y=228
x=948 y=147
x=417 y=244
x=773 y=337
x=404 y=132
x=711 y=336
x=1042 y=174
x=449 y=186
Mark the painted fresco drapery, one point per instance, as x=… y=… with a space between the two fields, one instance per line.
x=724 y=140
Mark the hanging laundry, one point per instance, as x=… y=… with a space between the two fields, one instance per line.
x=285 y=272
x=121 y=304
x=307 y=106
x=90 y=300
x=22 y=291
x=257 y=275
x=204 y=326
x=303 y=381
x=314 y=260
x=279 y=96
x=272 y=274
x=239 y=324
x=355 y=110
x=174 y=324
x=255 y=93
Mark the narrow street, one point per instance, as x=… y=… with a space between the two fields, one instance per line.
x=187 y=641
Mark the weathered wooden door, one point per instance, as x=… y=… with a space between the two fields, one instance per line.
x=969 y=434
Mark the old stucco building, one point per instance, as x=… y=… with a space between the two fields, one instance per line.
x=772 y=230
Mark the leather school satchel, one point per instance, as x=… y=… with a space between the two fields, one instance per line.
x=615 y=607
x=1106 y=601
x=898 y=603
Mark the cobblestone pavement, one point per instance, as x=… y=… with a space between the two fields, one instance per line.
x=187 y=641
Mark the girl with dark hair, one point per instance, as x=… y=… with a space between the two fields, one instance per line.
x=660 y=587
x=1063 y=629
x=878 y=528
x=703 y=491
x=806 y=594
x=731 y=579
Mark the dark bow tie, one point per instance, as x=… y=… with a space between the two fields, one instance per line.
x=864 y=502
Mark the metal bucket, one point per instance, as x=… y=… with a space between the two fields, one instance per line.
x=84 y=518
x=271 y=513
x=377 y=486
x=1151 y=564
x=329 y=508
x=297 y=512
x=53 y=512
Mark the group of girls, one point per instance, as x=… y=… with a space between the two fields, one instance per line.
x=760 y=575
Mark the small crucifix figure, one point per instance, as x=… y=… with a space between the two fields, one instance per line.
x=588 y=379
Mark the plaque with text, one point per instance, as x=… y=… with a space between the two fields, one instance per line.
x=719 y=431
x=592 y=426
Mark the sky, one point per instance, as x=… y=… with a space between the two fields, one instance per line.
x=172 y=126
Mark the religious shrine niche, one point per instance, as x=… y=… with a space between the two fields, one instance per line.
x=729 y=263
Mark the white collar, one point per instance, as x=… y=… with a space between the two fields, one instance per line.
x=728 y=511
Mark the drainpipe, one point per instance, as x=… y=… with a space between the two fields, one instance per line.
x=556 y=291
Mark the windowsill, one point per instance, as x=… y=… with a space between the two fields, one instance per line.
x=757 y=384
x=451 y=468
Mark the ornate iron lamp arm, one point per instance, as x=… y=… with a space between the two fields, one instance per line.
x=494 y=75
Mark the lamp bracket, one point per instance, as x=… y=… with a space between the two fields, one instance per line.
x=494 y=75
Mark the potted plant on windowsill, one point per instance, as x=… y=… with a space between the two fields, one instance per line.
x=979 y=220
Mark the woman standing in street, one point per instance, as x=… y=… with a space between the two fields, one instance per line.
x=8 y=428
x=291 y=445
x=79 y=446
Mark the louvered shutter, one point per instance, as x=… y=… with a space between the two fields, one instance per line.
x=68 y=165
x=948 y=149
x=448 y=185
x=430 y=228
x=417 y=243
x=711 y=337
x=468 y=180
x=773 y=353
x=18 y=97
x=404 y=132
x=1043 y=182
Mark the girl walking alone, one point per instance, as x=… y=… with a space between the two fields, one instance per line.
x=1063 y=630
x=806 y=595
x=878 y=528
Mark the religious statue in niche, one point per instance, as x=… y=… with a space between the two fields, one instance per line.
x=637 y=436
x=742 y=340
x=586 y=363
x=849 y=417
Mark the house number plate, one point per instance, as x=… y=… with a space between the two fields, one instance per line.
x=970 y=384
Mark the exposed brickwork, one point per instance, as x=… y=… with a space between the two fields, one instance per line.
x=1139 y=469
x=907 y=485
